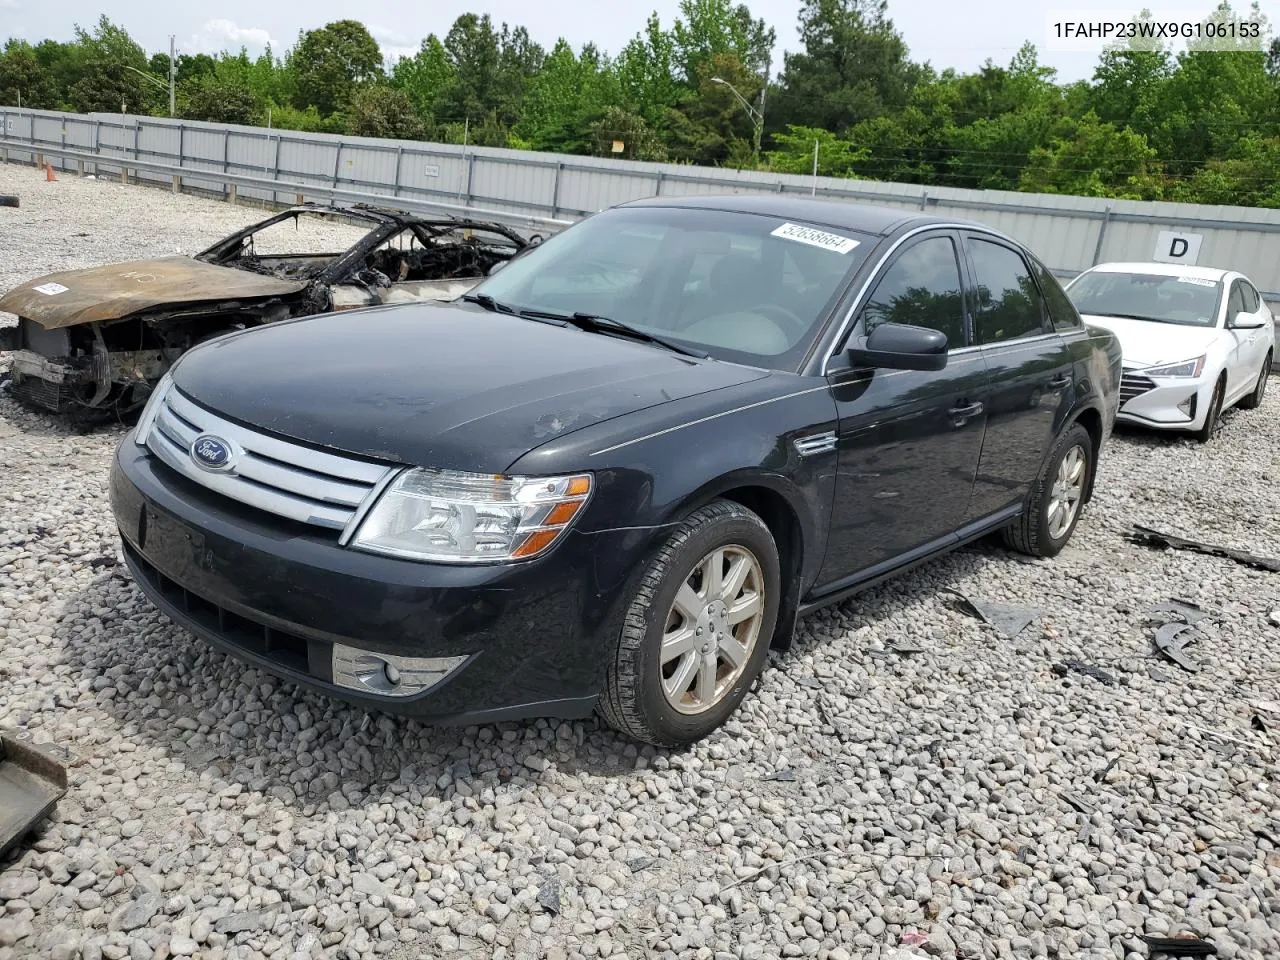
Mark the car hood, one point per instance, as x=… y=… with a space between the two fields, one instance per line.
x=438 y=385
x=120 y=289
x=1145 y=343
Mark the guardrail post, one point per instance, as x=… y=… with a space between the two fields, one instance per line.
x=97 y=142
x=657 y=187
x=555 y=191
x=226 y=145
x=395 y=187
x=337 y=162
x=275 y=166
x=231 y=193
x=471 y=169
x=1102 y=232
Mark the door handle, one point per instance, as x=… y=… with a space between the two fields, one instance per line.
x=1058 y=383
x=965 y=412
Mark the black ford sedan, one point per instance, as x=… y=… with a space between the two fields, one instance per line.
x=617 y=472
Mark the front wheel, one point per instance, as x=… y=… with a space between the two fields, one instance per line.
x=1212 y=418
x=698 y=628
x=1254 y=399
x=1056 y=499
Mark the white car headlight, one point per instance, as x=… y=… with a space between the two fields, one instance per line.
x=1187 y=368
x=150 y=409
x=452 y=517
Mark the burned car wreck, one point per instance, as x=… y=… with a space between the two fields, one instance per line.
x=94 y=342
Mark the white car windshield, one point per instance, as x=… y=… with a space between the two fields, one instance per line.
x=742 y=287
x=1189 y=301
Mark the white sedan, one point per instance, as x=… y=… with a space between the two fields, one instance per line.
x=1195 y=340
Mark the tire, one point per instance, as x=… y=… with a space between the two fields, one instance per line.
x=1036 y=532
x=1210 y=428
x=636 y=700
x=1254 y=400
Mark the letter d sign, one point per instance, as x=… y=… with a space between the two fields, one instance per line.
x=1177 y=247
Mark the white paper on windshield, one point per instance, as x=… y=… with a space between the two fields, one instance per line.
x=815 y=238
x=50 y=289
x=1196 y=280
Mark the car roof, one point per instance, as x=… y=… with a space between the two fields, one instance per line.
x=1163 y=270
x=847 y=214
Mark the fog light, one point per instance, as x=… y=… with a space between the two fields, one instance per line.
x=1188 y=406
x=387 y=674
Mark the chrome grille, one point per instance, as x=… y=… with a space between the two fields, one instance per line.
x=1134 y=385
x=283 y=478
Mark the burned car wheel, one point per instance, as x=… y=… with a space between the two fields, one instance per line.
x=698 y=628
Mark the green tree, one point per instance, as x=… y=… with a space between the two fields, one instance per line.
x=617 y=125
x=23 y=79
x=331 y=62
x=473 y=49
x=1094 y=159
x=219 y=101
x=710 y=28
x=854 y=66
x=794 y=153
x=104 y=62
x=568 y=95
x=384 y=111
x=646 y=68
x=426 y=77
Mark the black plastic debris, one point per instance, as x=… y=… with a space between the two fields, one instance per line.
x=1079 y=803
x=1171 y=638
x=99 y=562
x=549 y=896
x=1191 y=613
x=1258 y=723
x=1186 y=945
x=1146 y=537
x=32 y=782
x=639 y=863
x=1005 y=619
x=1088 y=669
x=8 y=200
x=781 y=775
x=1102 y=774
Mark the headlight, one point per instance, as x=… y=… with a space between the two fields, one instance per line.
x=1187 y=368
x=453 y=517
x=150 y=409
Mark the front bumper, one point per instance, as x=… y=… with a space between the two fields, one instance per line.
x=1166 y=403
x=535 y=636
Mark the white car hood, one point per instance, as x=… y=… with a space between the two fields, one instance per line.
x=1145 y=343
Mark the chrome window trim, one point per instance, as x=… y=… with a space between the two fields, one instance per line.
x=843 y=330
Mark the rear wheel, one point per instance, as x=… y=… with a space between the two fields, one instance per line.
x=1214 y=416
x=1254 y=399
x=698 y=628
x=1056 y=499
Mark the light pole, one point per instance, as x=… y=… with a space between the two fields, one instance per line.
x=757 y=116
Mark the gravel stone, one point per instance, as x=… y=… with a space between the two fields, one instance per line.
x=966 y=792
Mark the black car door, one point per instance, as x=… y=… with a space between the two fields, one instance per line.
x=908 y=441
x=1029 y=366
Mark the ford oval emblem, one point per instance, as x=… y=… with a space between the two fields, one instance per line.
x=210 y=452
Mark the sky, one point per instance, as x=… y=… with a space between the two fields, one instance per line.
x=932 y=29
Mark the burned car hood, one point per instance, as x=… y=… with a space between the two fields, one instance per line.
x=448 y=386
x=119 y=290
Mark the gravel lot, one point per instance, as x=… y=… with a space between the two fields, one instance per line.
x=861 y=801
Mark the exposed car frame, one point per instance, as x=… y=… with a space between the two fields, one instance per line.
x=96 y=341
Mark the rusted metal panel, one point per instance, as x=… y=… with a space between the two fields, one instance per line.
x=120 y=289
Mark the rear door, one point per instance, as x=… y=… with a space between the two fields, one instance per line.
x=1029 y=369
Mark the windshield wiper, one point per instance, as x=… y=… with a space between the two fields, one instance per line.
x=1130 y=316
x=594 y=323
x=486 y=301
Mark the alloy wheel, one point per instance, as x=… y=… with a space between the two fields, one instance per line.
x=712 y=629
x=1067 y=492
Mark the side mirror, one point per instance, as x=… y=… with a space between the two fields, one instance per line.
x=900 y=346
x=1244 y=321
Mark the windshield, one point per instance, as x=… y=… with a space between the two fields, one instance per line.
x=743 y=287
x=1189 y=301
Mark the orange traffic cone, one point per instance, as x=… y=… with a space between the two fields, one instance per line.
x=48 y=173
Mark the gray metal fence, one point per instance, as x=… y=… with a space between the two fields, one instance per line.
x=1068 y=233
